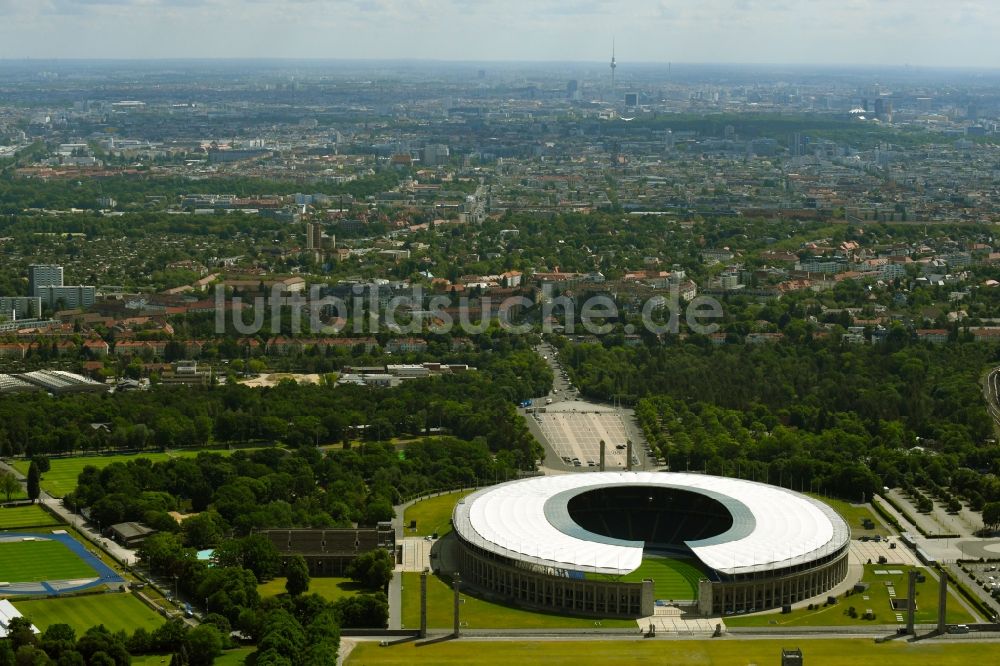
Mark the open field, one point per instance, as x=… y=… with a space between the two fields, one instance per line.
x=480 y=614
x=31 y=561
x=674 y=578
x=846 y=652
x=854 y=514
x=117 y=611
x=878 y=601
x=433 y=514
x=18 y=517
x=61 y=479
x=330 y=589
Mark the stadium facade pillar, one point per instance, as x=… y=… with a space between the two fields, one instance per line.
x=603 y=447
x=705 y=598
x=942 y=601
x=628 y=456
x=911 y=604
x=423 y=604
x=458 y=601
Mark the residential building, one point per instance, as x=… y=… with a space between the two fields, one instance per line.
x=43 y=275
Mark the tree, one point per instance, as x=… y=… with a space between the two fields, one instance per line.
x=43 y=462
x=204 y=530
x=255 y=552
x=19 y=632
x=372 y=569
x=9 y=485
x=991 y=515
x=204 y=644
x=297 y=572
x=34 y=482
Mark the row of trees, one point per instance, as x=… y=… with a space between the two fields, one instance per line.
x=847 y=419
x=277 y=488
x=469 y=405
x=98 y=646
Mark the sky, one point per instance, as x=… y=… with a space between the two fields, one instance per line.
x=946 y=33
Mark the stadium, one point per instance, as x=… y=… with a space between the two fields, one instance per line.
x=616 y=544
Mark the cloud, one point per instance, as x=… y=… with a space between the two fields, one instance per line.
x=887 y=31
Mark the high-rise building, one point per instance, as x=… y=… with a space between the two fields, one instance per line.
x=45 y=281
x=44 y=275
x=435 y=153
x=314 y=236
x=631 y=100
x=70 y=298
x=20 y=307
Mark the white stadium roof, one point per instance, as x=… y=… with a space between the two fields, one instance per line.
x=528 y=520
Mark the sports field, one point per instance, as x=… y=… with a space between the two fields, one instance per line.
x=674 y=578
x=30 y=561
x=61 y=478
x=118 y=611
x=479 y=614
x=718 y=652
x=26 y=516
x=432 y=514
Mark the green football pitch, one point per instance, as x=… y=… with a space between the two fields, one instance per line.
x=18 y=517
x=116 y=611
x=673 y=578
x=32 y=561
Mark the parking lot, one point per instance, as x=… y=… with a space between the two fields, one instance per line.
x=986 y=575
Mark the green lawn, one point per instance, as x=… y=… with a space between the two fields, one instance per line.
x=12 y=518
x=433 y=514
x=30 y=561
x=878 y=601
x=61 y=478
x=828 y=652
x=480 y=614
x=330 y=589
x=674 y=578
x=117 y=611
x=854 y=514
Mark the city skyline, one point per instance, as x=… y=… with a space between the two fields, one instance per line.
x=853 y=32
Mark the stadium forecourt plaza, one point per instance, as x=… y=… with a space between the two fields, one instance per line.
x=564 y=543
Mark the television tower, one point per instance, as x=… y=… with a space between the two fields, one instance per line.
x=613 y=66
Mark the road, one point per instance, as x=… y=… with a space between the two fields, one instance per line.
x=991 y=391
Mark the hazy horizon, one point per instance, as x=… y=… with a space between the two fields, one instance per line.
x=851 y=33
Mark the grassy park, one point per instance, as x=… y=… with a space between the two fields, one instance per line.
x=330 y=589
x=433 y=514
x=842 y=652
x=854 y=514
x=480 y=614
x=20 y=517
x=31 y=561
x=877 y=600
x=117 y=611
